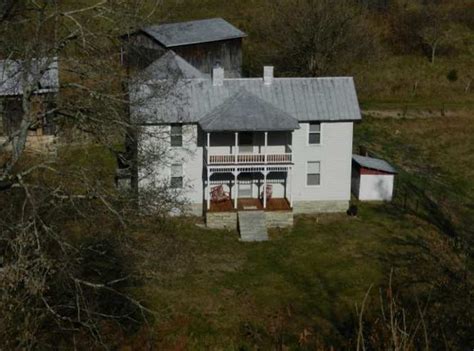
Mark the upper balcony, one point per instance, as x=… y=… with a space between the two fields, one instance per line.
x=250 y=159
x=248 y=148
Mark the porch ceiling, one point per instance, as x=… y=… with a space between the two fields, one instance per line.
x=247 y=112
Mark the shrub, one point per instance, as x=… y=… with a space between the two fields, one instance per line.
x=452 y=75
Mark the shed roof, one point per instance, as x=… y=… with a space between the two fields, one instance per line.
x=373 y=163
x=171 y=66
x=193 y=32
x=246 y=112
x=11 y=72
x=305 y=99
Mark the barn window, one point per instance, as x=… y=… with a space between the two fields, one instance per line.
x=176 y=176
x=313 y=176
x=314 y=136
x=176 y=135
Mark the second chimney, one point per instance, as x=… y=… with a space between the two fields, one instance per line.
x=267 y=75
x=218 y=76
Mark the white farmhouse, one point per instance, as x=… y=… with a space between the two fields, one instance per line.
x=272 y=145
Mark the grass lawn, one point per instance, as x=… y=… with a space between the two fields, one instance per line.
x=301 y=288
x=214 y=292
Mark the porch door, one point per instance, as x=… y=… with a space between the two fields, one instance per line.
x=245 y=185
x=246 y=143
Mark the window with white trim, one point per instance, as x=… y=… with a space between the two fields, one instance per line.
x=176 y=176
x=314 y=135
x=176 y=135
x=313 y=173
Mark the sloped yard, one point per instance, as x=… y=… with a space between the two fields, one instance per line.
x=213 y=291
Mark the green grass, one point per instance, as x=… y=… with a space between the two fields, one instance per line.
x=214 y=292
x=398 y=81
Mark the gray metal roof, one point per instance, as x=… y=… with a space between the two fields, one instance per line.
x=187 y=101
x=193 y=32
x=246 y=112
x=171 y=66
x=11 y=72
x=373 y=163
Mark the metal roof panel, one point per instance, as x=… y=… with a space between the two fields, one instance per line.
x=193 y=32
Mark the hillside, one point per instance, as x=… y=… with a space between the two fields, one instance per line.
x=85 y=265
x=393 y=74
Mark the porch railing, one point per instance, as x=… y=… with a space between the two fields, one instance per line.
x=250 y=159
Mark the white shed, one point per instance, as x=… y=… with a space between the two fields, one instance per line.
x=372 y=178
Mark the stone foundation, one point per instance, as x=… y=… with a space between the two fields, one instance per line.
x=279 y=219
x=320 y=206
x=195 y=210
x=221 y=220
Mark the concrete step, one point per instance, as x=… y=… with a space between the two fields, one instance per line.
x=252 y=226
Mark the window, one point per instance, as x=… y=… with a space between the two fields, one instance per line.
x=176 y=135
x=176 y=176
x=246 y=142
x=245 y=138
x=313 y=173
x=314 y=137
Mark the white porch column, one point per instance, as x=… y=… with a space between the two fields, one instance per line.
x=208 y=189
x=265 y=188
x=236 y=149
x=236 y=189
x=290 y=185
x=208 y=146
x=265 y=148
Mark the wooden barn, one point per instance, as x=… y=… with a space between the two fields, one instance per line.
x=372 y=179
x=202 y=43
x=42 y=128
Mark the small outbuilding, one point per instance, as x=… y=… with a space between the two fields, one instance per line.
x=372 y=178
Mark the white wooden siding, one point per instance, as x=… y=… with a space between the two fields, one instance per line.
x=334 y=153
x=376 y=187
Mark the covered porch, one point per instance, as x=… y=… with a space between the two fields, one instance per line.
x=248 y=188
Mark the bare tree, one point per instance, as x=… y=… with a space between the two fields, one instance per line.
x=436 y=30
x=63 y=277
x=314 y=37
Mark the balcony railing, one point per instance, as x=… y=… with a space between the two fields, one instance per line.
x=250 y=159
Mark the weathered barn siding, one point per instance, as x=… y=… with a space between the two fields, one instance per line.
x=11 y=114
x=140 y=50
x=204 y=56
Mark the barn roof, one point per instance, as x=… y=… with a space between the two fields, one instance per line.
x=193 y=32
x=305 y=99
x=246 y=112
x=171 y=66
x=373 y=163
x=11 y=72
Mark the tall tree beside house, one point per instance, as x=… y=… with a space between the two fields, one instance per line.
x=317 y=37
x=63 y=280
